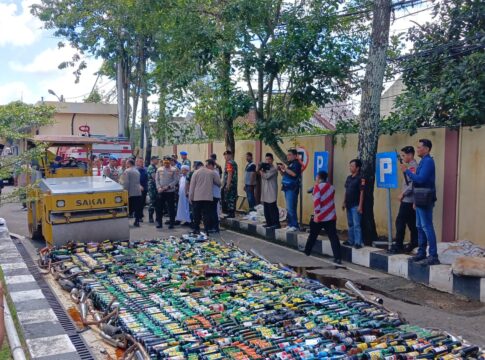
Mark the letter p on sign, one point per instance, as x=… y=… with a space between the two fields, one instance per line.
x=386 y=170
x=385 y=165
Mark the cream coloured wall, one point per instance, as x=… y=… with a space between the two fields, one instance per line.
x=471 y=190
x=346 y=149
x=99 y=125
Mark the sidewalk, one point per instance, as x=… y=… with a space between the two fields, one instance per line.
x=439 y=277
x=46 y=337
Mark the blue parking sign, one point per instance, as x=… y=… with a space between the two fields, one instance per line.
x=386 y=170
x=320 y=162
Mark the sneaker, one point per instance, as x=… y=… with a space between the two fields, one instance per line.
x=396 y=250
x=136 y=224
x=432 y=261
x=358 y=246
x=347 y=243
x=417 y=258
x=151 y=221
x=337 y=261
x=292 y=228
x=159 y=225
x=409 y=248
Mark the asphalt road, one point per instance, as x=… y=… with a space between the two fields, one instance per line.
x=418 y=304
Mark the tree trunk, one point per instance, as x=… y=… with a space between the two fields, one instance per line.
x=126 y=95
x=120 y=98
x=229 y=139
x=144 y=108
x=279 y=152
x=136 y=98
x=370 y=110
x=226 y=91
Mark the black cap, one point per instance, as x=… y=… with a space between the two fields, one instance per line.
x=154 y=157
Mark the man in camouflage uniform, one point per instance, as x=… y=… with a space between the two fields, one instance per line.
x=152 y=187
x=230 y=186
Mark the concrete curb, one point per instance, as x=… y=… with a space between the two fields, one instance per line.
x=439 y=277
x=42 y=331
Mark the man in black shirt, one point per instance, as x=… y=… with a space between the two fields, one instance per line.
x=354 y=203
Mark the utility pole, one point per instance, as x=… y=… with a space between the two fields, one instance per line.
x=370 y=110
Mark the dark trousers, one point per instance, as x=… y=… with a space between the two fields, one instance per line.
x=142 y=204
x=271 y=214
x=406 y=216
x=134 y=205
x=144 y=198
x=166 y=199
x=202 y=210
x=214 y=222
x=331 y=230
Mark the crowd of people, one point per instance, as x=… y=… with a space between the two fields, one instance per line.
x=193 y=193
x=186 y=193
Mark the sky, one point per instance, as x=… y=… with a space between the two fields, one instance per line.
x=29 y=57
x=29 y=60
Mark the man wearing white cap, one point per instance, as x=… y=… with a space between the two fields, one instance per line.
x=183 y=209
x=185 y=160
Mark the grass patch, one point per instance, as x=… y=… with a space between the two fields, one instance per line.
x=5 y=350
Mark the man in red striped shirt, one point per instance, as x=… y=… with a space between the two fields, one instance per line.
x=324 y=216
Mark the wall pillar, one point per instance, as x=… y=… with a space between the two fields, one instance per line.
x=258 y=158
x=450 y=184
x=329 y=147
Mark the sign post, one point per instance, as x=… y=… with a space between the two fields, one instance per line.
x=387 y=178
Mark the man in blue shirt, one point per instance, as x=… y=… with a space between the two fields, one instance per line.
x=425 y=179
x=291 y=187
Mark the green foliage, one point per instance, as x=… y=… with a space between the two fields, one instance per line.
x=94 y=97
x=296 y=57
x=443 y=74
x=17 y=120
x=212 y=107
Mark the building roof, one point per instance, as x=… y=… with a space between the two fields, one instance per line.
x=83 y=108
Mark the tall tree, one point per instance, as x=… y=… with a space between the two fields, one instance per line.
x=115 y=30
x=296 y=56
x=443 y=73
x=198 y=44
x=370 y=109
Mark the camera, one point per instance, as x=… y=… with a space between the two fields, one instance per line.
x=264 y=166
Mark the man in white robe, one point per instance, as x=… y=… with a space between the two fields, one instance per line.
x=183 y=210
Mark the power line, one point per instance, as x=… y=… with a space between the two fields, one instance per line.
x=86 y=94
x=414 y=13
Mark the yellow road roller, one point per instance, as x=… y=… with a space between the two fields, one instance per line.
x=67 y=203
